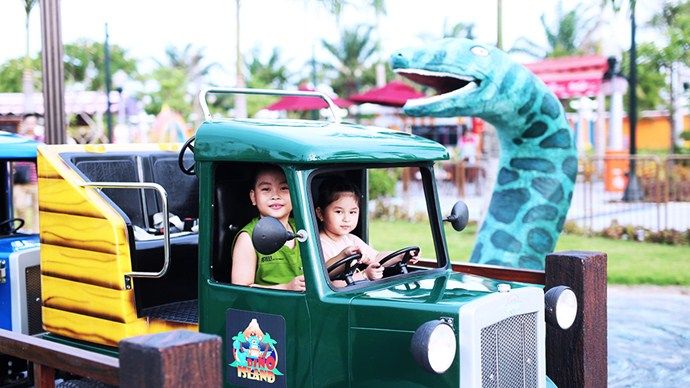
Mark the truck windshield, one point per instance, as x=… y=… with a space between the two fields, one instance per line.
x=390 y=230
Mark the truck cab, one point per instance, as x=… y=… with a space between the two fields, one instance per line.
x=111 y=269
x=20 y=286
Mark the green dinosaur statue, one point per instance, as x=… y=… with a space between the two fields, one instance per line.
x=538 y=164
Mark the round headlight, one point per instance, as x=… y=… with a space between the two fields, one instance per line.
x=561 y=306
x=434 y=346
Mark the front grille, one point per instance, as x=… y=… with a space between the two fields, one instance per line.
x=33 y=299
x=509 y=353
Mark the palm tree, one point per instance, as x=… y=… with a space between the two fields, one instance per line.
x=27 y=84
x=571 y=35
x=351 y=53
x=273 y=73
x=189 y=60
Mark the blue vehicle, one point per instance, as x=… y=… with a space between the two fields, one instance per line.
x=20 y=275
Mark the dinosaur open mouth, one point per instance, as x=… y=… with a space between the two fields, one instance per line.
x=445 y=84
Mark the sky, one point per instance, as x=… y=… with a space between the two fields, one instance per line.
x=146 y=27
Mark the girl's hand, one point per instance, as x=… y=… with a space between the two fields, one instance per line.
x=349 y=251
x=296 y=284
x=374 y=271
x=415 y=257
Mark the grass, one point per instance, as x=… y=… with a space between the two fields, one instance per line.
x=629 y=262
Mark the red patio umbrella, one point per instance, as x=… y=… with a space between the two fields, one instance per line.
x=303 y=103
x=395 y=93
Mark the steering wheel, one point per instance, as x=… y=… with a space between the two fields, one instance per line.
x=180 y=158
x=12 y=221
x=349 y=271
x=401 y=267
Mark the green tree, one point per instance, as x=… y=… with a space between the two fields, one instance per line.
x=179 y=80
x=85 y=61
x=273 y=73
x=11 y=73
x=570 y=34
x=352 y=54
x=673 y=22
x=28 y=71
x=172 y=91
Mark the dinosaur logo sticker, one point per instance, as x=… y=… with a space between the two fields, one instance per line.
x=255 y=354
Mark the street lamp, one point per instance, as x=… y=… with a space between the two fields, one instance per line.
x=633 y=191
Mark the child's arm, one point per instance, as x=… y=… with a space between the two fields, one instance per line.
x=243 y=261
x=244 y=267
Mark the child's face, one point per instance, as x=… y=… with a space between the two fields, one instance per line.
x=341 y=216
x=271 y=195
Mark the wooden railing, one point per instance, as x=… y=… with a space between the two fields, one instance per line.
x=172 y=359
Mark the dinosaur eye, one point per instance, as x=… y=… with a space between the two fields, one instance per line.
x=479 y=51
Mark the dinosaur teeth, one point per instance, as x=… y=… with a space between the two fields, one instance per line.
x=470 y=86
x=445 y=84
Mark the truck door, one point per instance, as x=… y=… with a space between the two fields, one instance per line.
x=266 y=332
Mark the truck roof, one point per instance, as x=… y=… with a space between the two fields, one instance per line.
x=310 y=142
x=15 y=147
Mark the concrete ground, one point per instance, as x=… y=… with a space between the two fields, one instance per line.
x=648 y=336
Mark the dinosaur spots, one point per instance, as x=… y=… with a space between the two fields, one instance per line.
x=539 y=239
x=537 y=129
x=518 y=141
x=477 y=253
x=506 y=176
x=550 y=106
x=560 y=139
x=559 y=225
x=541 y=212
x=529 y=262
x=570 y=167
x=505 y=241
x=508 y=80
x=507 y=203
x=527 y=106
x=438 y=58
x=550 y=188
x=536 y=164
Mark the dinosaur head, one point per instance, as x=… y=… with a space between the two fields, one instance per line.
x=461 y=71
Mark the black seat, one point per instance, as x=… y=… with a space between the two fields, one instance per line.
x=115 y=168
x=182 y=189
x=232 y=211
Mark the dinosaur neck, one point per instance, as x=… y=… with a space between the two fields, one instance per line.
x=536 y=174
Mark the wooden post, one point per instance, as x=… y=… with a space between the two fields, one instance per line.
x=44 y=376
x=177 y=358
x=577 y=357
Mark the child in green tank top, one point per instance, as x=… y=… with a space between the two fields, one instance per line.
x=282 y=269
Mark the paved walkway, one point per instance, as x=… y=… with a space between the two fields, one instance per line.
x=649 y=336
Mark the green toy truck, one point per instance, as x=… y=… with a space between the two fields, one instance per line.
x=114 y=266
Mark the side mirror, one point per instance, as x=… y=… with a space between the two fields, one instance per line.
x=269 y=235
x=459 y=216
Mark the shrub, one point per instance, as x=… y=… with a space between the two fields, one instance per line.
x=381 y=183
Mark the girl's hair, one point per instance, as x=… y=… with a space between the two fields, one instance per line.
x=332 y=188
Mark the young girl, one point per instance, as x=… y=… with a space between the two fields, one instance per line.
x=338 y=213
x=283 y=269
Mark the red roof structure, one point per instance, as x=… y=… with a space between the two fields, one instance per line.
x=571 y=77
x=395 y=93
x=304 y=103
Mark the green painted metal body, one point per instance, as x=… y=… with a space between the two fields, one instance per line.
x=356 y=337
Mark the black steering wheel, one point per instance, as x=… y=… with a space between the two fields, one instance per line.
x=180 y=158
x=401 y=267
x=12 y=221
x=349 y=271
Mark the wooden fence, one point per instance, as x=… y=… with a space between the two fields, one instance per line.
x=172 y=359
